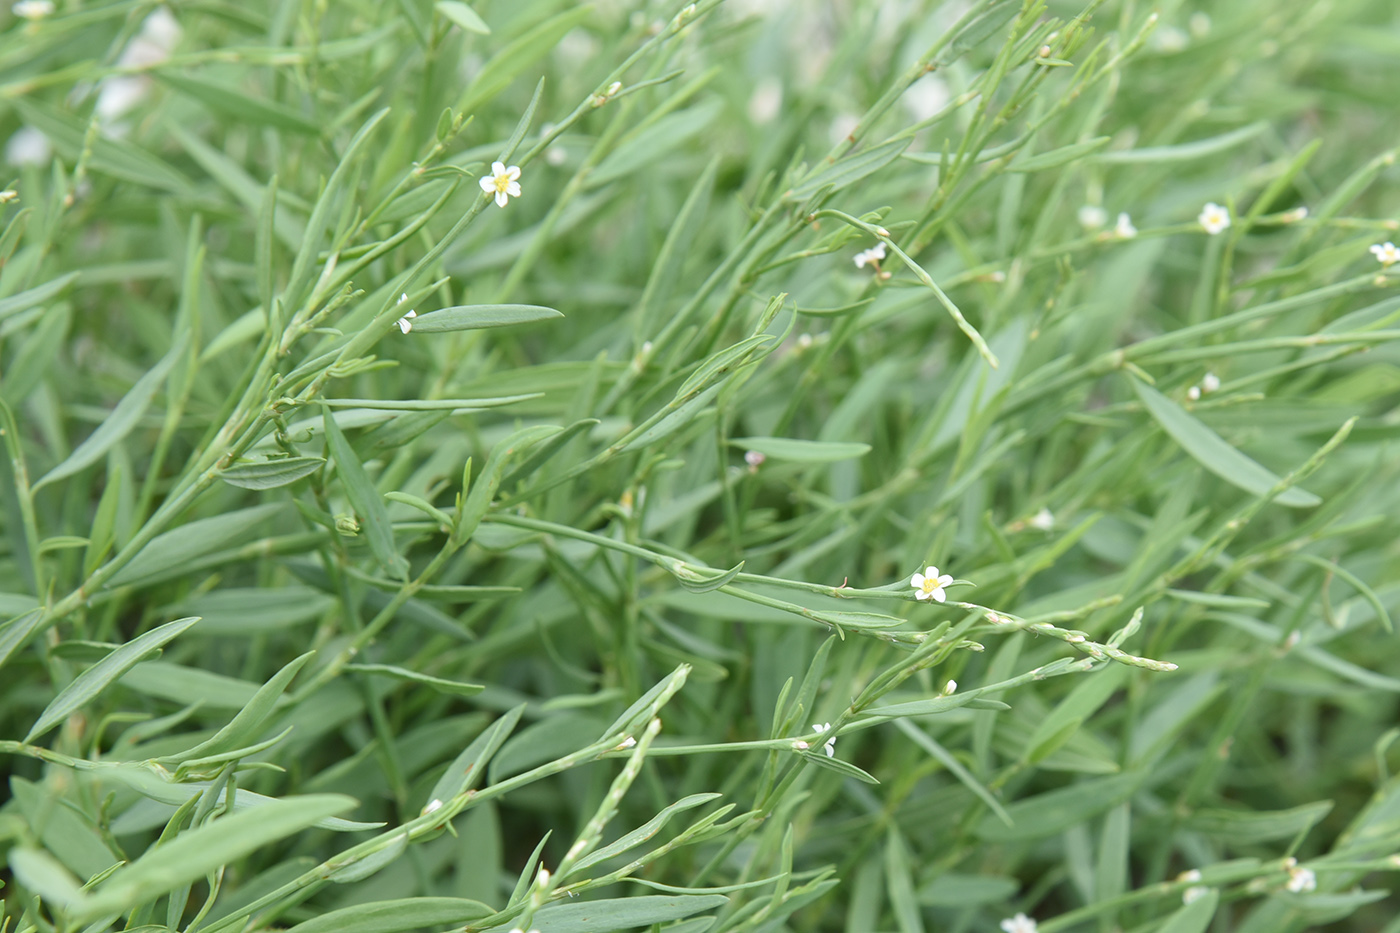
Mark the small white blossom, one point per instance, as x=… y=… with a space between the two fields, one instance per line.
x=28 y=146
x=950 y=688
x=804 y=341
x=432 y=805
x=406 y=322
x=929 y=585
x=1194 y=393
x=502 y=183
x=1301 y=880
x=1210 y=383
x=544 y=877
x=754 y=459
x=1124 y=229
x=1043 y=520
x=32 y=9
x=830 y=746
x=8 y=195
x=1295 y=215
x=1387 y=254
x=1189 y=877
x=1194 y=893
x=870 y=256
x=626 y=743
x=614 y=88
x=1019 y=924
x=800 y=745
x=1092 y=217
x=1214 y=218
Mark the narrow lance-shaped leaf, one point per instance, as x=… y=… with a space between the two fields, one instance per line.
x=123 y=418
x=194 y=853
x=365 y=499
x=408 y=913
x=270 y=474
x=1211 y=451
x=476 y=317
x=96 y=678
x=467 y=769
x=249 y=721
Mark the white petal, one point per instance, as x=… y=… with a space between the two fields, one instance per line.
x=921 y=595
x=498 y=168
x=502 y=198
x=513 y=189
x=513 y=172
x=917 y=580
x=405 y=324
x=939 y=595
x=944 y=580
x=829 y=749
x=931 y=572
x=487 y=184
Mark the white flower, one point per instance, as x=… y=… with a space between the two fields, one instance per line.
x=8 y=195
x=28 y=146
x=1301 y=879
x=1210 y=383
x=950 y=688
x=1191 y=876
x=32 y=9
x=1194 y=893
x=1019 y=924
x=1124 y=229
x=626 y=743
x=830 y=746
x=502 y=183
x=1043 y=520
x=1194 y=393
x=929 y=585
x=1214 y=218
x=1386 y=253
x=119 y=94
x=754 y=459
x=1092 y=217
x=804 y=341
x=406 y=322
x=870 y=256
x=432 y=805
x=1295 y=215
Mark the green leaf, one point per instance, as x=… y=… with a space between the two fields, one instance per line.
x=469 y=767
x=1211 y=451
x=1066 y=718
x=1055 y=811
x=849 y=170
x=1057 y=157
x=843 y=768
x=250 y=721
x=503 y=67
x=800 y=451
x=430 y=404
x=35 y=296
x=463 y=16
x=182 y=546
x=224 y=99
x=45 y=876
x=644 y=832
x=270 y=474
x=623 y=913
x=957 y=890
x=453 y=687
x=1184 y=151
x=123 y=418
x=476 y=317
x=1244 y=827
x=196 y=852
x=14 y=633
x=483 y=490
x=118 y=158
x=96 y=678
x=409 y=913
x=365 y=499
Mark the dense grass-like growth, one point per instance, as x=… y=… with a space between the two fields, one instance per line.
x=390 y=548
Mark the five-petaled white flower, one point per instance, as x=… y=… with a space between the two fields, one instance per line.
x=1214 y=218
x=32 y=9
x=830 y=746
x=502 y=183
x=406 y=322
x=1124 y=229
x=1019 y=924
x=929 y=585
x=1387 y=254
x=870 y=256
x=1301 y=879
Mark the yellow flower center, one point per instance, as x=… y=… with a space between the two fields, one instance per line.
x=930 y=584
x=502 y=182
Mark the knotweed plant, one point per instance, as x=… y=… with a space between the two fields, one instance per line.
x=699 y=467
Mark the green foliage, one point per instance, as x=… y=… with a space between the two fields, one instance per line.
x=376 y=558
